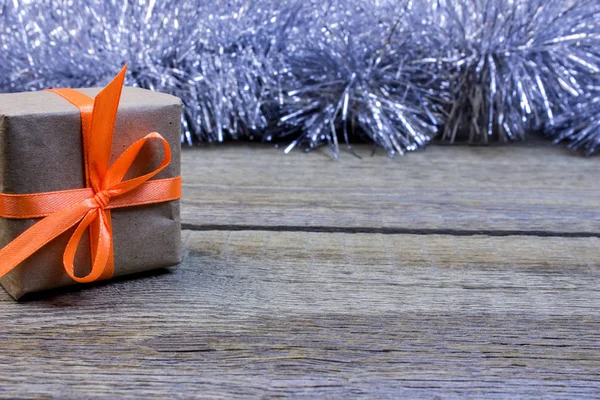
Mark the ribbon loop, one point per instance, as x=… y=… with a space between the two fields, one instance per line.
x=113 y=180
x=90 y=207
x=100 y=261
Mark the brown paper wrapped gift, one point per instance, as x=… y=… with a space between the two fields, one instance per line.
x=41 y=151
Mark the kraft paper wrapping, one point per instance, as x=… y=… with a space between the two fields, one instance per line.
x=41 y=151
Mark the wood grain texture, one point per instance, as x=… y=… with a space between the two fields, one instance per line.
x=532 y=187
x=322 y=315
x=307 y=278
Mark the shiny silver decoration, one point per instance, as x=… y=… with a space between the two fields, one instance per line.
x=398 y=73
x=517 y=65
x=215 y=56
x=359 y=70
x=580 y=126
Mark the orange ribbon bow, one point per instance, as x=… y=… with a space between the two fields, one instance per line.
x=88 y=207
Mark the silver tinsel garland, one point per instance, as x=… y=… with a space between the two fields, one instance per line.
x=395 y=73
x=517 y=64
x=580 y=126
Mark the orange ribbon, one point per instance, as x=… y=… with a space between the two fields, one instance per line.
x=90 y=206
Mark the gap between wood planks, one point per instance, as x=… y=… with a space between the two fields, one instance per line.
x=388 y=230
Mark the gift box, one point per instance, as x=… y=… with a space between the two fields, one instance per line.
x=43 y=154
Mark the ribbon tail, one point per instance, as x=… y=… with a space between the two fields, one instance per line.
x=39 y=235
x=104 y=114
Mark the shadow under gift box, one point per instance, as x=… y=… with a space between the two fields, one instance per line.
x=41 y=150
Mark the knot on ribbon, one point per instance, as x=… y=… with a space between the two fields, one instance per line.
x=102 y=198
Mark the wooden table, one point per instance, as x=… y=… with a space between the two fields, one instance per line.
x=454 y=272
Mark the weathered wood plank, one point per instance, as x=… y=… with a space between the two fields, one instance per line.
x=313 y=315
x=527 y=187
